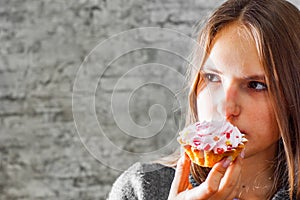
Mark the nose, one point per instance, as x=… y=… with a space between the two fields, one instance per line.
x=231 y=106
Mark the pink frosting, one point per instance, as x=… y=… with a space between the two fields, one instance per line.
x=219 y=136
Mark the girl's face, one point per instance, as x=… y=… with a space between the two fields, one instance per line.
x=235 y=89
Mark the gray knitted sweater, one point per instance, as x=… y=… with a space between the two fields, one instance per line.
x=152 y=182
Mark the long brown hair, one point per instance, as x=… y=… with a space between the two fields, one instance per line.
x=275 y=28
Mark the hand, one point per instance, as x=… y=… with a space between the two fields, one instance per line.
x=222 y=181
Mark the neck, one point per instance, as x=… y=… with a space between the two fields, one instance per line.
x=257 y=177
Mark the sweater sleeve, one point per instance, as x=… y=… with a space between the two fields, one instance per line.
x=143 y=182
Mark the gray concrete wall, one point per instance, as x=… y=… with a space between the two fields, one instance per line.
x=49 y=150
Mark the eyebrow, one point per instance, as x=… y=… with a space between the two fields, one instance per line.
x=211 y=69
x=260 y=77
x=255 y=77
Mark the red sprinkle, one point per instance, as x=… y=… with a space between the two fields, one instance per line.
x=207 y=147
x=227 y=135
x=220 y=150
x=196 y=141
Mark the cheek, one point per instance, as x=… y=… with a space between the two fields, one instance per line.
x=271 y=125
x=204 y=106
x=209 y=104
x=264 y=118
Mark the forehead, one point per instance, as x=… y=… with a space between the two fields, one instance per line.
x=234 y=51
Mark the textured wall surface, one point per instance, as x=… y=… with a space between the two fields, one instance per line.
x=44 y=152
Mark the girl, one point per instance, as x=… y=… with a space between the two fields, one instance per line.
x=249 y=71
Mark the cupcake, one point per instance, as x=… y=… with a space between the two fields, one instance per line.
x=206 y=143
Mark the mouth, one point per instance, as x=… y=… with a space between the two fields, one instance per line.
x=243 y=132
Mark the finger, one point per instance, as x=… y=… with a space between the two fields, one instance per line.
x=181 y=178
x=211 y=185
x=229 y=186
x=230 y=182
x=184 y=174
x=217 y=173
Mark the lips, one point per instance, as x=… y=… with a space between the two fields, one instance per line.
x=243 y=132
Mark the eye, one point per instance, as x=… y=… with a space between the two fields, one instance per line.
x=257 y=86
x=212 y=77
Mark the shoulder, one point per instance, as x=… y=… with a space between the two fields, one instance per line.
x=143 y=181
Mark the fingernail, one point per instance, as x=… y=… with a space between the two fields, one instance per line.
x=227 y=162
x=242 y=154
